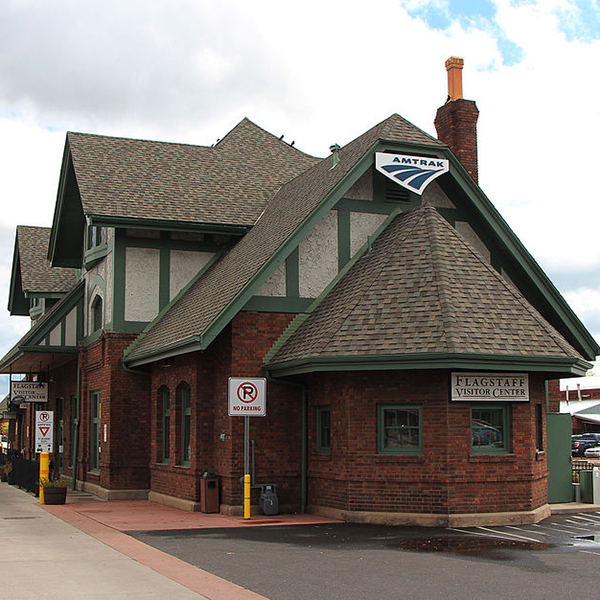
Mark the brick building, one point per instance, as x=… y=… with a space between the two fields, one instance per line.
x=405 y=333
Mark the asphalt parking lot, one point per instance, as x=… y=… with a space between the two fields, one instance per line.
x=557 y=558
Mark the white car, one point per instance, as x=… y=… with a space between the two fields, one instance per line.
x=592 y=452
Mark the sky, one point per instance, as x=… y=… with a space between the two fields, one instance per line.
x=317 y=72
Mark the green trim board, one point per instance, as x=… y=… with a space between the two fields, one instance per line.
x=553 y=367
x=292 y=274
x=166 y=225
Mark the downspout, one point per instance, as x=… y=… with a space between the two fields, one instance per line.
x=76 y=432
x=304 y=444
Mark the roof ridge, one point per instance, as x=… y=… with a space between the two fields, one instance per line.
x=446 y=305
x=134 y=139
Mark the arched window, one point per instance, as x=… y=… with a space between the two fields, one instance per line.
x=164 y=409
x=97 y=314
x=185 y=415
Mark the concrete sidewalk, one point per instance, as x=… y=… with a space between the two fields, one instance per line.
x=85 y=552
x=44 y=557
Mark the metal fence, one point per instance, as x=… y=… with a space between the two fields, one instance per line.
x=25 y=473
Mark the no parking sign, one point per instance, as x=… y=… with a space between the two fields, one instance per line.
x=44 y=429
x=247 y=397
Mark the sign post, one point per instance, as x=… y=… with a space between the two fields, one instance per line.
x=247 y=398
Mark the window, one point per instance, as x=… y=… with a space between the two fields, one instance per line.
x=490 y=428
x=323 y=429
x=96 y=236
x=186 y=413
x=166 y=424
x=399 y=429
x=97 y=316
x=539 y=428
x=95 y=411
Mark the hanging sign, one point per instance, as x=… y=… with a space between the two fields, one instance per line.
x=247 y=397
x=492 y=387
x=29 y=391
x=44 y=431
x=414 y=173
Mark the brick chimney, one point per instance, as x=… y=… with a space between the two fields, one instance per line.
x=456 y=121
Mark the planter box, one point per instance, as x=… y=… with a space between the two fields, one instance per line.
x=57 y=495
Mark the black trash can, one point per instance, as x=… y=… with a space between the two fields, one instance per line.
x=268 y=503
x=209 y=493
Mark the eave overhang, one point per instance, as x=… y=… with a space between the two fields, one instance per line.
x=166 y=225
x=31 y=355
x=553 y=367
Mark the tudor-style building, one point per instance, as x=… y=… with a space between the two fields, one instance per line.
x=363 y=302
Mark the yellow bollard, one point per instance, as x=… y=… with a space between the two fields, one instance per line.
x=44 y=472
x=247 y=496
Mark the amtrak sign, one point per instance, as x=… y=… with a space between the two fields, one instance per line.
x=414 y=173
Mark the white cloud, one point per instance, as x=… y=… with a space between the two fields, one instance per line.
x=318 y=72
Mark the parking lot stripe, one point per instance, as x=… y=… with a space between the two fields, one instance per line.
x=526 y=530
x=590 y=552
x=582 y=518
x=521 y=537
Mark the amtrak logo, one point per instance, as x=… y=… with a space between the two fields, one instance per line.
x=414 y=173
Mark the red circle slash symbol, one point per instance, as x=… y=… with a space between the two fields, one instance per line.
x=247 y=392
x=44 y=416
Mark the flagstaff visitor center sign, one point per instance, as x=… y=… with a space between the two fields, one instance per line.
x=493 y=387
x=29 y=391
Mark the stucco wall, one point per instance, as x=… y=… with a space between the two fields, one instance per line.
x=71 y=328
x=318 y=257
x=275 y=285
x=141 y=283
x=184 y=265
x=55 y=335
x=469 y=234
x=362 y=225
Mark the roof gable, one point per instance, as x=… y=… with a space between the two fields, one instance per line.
x=422 y=290
x=32 y=274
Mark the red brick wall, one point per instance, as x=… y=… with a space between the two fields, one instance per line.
x=217 y=439
x=125 y=415
x=446 y=478
x=456 y=125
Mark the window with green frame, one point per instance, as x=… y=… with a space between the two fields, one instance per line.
x=97 y=314
x=324 y=429
x=165 y=407
x=186 y=418
x=399 y=429
x=95 y=412
x=490 y=428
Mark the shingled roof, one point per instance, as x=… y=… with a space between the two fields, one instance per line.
x=37 y=276
x=186 y=321
x=422 y=290
x=229 y=183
